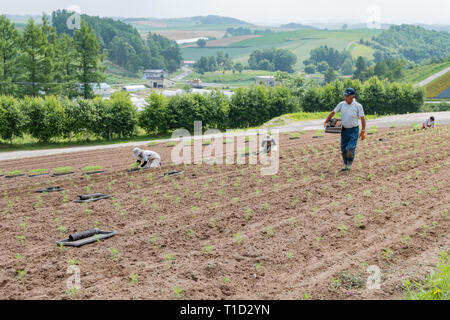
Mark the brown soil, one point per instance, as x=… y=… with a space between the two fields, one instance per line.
x=189 y=34
x=224 y=42
x=289 y=240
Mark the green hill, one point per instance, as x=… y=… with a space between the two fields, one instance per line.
x=421 y=72
x=300 y=42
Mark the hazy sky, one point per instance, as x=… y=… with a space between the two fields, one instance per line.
x=255 y=11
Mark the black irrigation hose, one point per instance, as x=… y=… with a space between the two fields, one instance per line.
x=62 y=174
x=51 y=189
x=85 y=237
x=38 y=175
x=93 y=172
x=172 y=173
x=91 y=198
x=15 y=176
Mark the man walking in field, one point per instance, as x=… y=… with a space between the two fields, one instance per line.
x=428 y=124
x=351 y=111
x=267 y=144
x=149 y=159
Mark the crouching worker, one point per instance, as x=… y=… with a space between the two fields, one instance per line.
x=428 y=124
x=267 y=144
x=351 y=111
x=147 y=158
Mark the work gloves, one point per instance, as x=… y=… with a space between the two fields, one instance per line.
x=362 y=135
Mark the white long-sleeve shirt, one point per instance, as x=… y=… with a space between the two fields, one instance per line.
x=147 y=155
x=428 y=123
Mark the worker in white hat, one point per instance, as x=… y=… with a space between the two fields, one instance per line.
x=147 y=158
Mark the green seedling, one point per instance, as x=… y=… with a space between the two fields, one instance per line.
x=115 y=253
x=14 y=173
x=155 y=240
x=387 y=253
x=207 y=249
x=170 y=259
x=342 y=230
x=21 y=275
x=359 y=220
x=61 y=230
x=63 y=170
x=206 y=142
x=21 y=239
x=269 y=232
x=248 y=214
x=133 y=278
x=190 y=233
x=36 y=172
x=171 y=144
x=178 y=292
x=73 y=262
x=405 y=240
x=238 y=237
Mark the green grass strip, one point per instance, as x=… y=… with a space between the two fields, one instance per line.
x=62 y=170
x=35 y=172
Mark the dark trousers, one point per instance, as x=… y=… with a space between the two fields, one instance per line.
x=349 y=141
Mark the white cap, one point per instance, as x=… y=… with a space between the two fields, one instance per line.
x=136 y=152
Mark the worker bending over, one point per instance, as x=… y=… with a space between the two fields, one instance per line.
x=428 y=124
x=147 y=158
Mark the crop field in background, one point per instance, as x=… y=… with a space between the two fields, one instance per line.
x=437 y=86
x=300 y=42
x=422 y=72
x=227 y=232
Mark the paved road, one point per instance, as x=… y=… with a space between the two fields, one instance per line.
x=186 y=72
x=432 y=77
x=385 y=122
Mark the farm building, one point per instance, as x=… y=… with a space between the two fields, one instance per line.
x=101 y=89
x=158 y=79
x=189 y=63
x=154 y=73
x=134 y=88
x=268 y=81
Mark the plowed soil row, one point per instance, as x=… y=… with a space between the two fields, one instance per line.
x=227 y=232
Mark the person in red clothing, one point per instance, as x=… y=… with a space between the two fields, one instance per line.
x=428 y=124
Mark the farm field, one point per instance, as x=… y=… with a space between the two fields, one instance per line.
x=300 y=42
x=226 y=231
x=422 y=72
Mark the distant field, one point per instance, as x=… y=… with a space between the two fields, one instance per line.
x=300 y=42
x=422 y=72
x=224 y=42
x=246 y=78
x=360 y=50
x=437 y=86
x=189 y=34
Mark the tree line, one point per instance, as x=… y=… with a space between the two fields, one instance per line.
x=37 y=62
x=124 y=45
x=377 y=96
x=412 y=43
x=49 y=117
x=219 y=62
